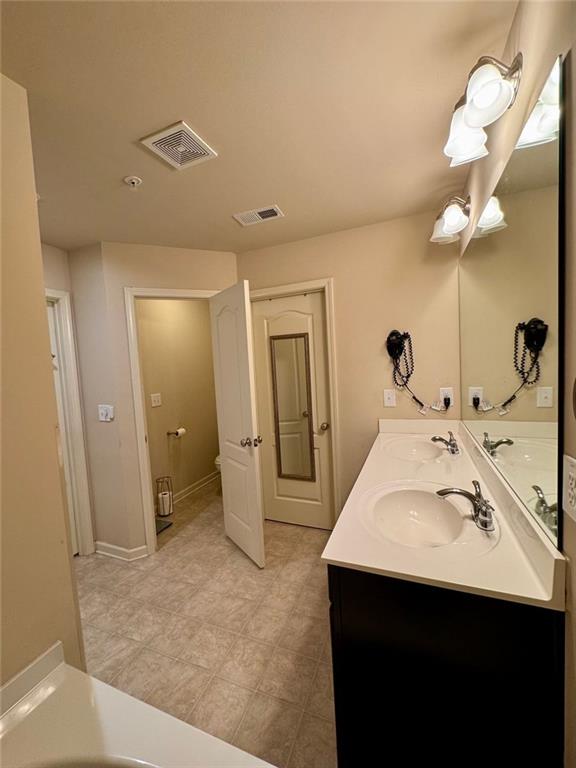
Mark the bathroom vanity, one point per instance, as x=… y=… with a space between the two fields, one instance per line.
x=447 y=640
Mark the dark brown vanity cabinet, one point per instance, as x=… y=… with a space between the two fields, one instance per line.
x=426 y=676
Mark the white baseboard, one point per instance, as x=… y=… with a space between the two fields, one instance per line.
x=121 y=553
x=29 y=677
x=190 y=489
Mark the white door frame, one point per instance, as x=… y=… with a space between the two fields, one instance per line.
x=323 y=285
x=74 y=425
x=130 y=296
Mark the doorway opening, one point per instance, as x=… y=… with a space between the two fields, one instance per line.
x=175 y=354
x=72 y=450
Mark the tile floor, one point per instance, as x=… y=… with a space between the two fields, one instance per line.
x=201 y=632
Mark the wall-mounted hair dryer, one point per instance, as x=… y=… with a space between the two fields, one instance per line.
x=399 y=347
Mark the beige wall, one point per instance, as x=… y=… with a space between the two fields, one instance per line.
x=541 y=31
x=385 y=276
x=570 y=409
x=508 y=277
x=176 y=361
x=99 y=275
x=56 y=268
x=38 y=597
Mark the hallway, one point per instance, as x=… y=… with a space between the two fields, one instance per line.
x=199 y=631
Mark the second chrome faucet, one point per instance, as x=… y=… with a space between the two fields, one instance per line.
x=482 y=510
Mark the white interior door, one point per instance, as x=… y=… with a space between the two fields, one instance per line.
x=64 y=443
x=294 y=401
x=237 y=422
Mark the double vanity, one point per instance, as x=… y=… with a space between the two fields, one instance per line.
x=444 y=593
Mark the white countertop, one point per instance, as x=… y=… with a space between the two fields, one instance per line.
x=521 y=567
x=69 y=714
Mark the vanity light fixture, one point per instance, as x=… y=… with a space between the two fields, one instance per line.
x=491 y=219
x=492 y=88
x=544 y=123
x=451 y=220
x=464 y=144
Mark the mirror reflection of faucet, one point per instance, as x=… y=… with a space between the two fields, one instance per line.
x=547 y=512
x=491 y=445
x=451 y=444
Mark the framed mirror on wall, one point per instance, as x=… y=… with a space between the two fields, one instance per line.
x=292 y=397
x=511 y=318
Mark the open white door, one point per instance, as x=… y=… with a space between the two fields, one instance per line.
x=230 y=315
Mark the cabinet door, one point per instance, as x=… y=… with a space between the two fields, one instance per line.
x=424 y=675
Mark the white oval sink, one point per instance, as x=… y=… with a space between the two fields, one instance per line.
x=417 y=518
x=414 y=449
x=410 y=514
x=527 y=453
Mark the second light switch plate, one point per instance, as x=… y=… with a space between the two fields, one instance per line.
x=156 y=399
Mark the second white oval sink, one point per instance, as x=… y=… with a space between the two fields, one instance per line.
x=414 y=449
x=417 y=518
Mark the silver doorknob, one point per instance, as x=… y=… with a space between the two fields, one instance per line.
x=245 y=442
x=257 y=441
x=305 y=414
x=324 y=426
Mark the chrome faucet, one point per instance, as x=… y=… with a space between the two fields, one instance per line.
x=450 y=444
x=481 y=508
x=548 y=512
x=492 y=445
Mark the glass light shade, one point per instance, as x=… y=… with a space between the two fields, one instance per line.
x=488 y=96
x=454 y=219
x=484 y=232
x=551 y=91
x=440 y=236
x=464 y=141
x=541 y=127
x=461 y=159
x=492 y=214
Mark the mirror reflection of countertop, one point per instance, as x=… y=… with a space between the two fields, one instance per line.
x=517 y=562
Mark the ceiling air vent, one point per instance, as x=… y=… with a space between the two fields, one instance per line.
x=179 y=146
x=258 y=215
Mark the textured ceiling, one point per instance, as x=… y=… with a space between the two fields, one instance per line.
x=337 y=112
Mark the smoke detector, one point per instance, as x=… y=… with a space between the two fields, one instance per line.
x=258 y=215
x=179 y=146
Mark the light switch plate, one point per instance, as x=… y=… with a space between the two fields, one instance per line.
x=389 y=398
x=156 y=399
x=475 y=392
x=544 y=397
x=105 y=413
x=569 y=489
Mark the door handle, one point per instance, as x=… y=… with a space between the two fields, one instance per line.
x=245 y=442
x=305 y=414
x=324 y=426
x=257 y=441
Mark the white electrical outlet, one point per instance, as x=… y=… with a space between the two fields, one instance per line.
x=544 y=397
x=390 y=398
x=156 y=399
x=446 y=392
x=569 y=490
x=475 y=392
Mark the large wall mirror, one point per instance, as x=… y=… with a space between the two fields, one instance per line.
x=509 y=312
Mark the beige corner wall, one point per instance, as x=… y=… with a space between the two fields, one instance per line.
x=176 y=361
x=38 y=597
x=99 y=275
x=493 y=303
x=541 y=31
x=385 y=276
x=570 y=409
x=56 y=268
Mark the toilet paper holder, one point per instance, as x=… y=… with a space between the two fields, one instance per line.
x=180 y=432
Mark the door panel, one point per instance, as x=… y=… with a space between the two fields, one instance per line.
x=236 y=407
x=304 y=502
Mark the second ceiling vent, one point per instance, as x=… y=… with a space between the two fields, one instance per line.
x=179 y=146
x=258 y=215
